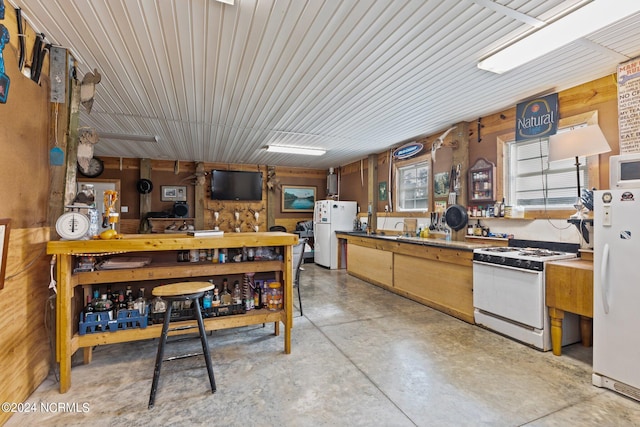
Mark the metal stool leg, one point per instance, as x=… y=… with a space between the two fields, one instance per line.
x=160 y=355
x=205 y=346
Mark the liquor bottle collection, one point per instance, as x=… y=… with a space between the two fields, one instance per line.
x=224 y=299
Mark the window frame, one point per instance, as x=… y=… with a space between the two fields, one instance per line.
x=413 y=162
x=593 y=167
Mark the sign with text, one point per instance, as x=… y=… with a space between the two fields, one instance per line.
x=629 y=106
x=537 y=118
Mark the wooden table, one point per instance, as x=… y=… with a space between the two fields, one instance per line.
x=569 y=287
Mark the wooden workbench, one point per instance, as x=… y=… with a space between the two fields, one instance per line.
x=69 y=341
x=569 y=287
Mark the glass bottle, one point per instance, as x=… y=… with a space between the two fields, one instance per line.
x=140 y=303
x=104 y=305
x=88 y=309
x=122 y=305
x=257 y=297
x=206 y=300
x=225 y=297
x=129 y=298
x=215 y=301
x=158 y=305
x=237 y=293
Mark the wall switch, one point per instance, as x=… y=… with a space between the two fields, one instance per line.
x=124 y=209
x=606 y=217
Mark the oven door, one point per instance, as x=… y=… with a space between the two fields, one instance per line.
x=511 y=293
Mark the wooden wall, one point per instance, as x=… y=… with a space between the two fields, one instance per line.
x=600 y=95
x=165 y=172
x=24 y=193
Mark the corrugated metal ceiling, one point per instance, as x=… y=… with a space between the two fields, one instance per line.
x=218 y=83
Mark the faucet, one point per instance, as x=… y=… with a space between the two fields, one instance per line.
x=404 y=226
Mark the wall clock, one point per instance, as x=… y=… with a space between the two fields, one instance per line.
x=96 y=167
x=72 y=226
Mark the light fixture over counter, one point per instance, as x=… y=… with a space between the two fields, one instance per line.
x=295 y=150
x=587 y=19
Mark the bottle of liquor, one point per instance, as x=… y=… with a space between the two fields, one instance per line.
x=225 y=297
x=257 y=297
x=206 y=300
x=225 y=285
x=237 y=293
x=88 y=309
x=140 y=303
x=122 y=304
x=129 y=298
x=215 y=302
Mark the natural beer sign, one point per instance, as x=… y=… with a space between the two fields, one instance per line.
x=537 y=118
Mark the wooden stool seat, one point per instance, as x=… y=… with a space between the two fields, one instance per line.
x=182 y=291
x=181 y=288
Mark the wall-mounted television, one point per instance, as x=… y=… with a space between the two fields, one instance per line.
x=236 y=185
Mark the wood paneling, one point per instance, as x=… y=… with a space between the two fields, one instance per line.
x=24 y=190
x=446 y=287
x=372 y=265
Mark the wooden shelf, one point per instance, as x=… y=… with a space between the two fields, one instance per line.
x=252 y=317
x=176 y=270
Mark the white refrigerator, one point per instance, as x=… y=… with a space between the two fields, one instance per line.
x=616 y=291
x=328 y=217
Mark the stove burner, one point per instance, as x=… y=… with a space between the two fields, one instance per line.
x=534 y=252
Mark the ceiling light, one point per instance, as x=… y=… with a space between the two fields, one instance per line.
x=127 y=137
x=586 y=20
x=229 y=2
x=295 y=150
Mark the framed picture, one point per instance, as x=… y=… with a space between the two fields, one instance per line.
x=382 y=191
x=4 y=247
x=297 y=198
x=173 y=193
x=441 y=184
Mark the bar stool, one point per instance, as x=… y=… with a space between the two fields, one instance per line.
x=182 y=291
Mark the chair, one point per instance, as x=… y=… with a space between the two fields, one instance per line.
x=278 y=228
x=298 y=257
x=183 y=291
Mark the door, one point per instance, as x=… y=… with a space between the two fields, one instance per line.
x=322 y=247
x=616 y=318
x=511 y=293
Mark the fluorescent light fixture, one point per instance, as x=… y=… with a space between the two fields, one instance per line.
x=295 y=150
x=127 y=137
x=586 y=20
x=229 y=2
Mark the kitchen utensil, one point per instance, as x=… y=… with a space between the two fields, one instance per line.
x=456 y=217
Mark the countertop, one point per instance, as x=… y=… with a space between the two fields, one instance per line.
x=452 y=244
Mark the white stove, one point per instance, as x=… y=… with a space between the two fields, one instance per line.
x=509 y=292
x=526 y=258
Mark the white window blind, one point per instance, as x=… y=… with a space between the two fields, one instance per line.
x=413 y=187
x=531 y=181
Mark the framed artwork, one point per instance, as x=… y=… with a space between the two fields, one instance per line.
x=296 y=198
x=173 y=193
x=382 y=191
x=4 y=247
x=441 y=184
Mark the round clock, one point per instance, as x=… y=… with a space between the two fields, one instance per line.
x=96 y=167
x=72 y=226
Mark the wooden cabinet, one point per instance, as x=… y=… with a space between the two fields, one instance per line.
x=481 y=181
x=69 y=341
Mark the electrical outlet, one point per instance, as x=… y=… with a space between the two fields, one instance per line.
x=386 y=208
x=124 y=209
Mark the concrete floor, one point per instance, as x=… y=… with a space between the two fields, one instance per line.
x=361 y=356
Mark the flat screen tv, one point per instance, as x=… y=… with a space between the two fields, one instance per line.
x=236 y=185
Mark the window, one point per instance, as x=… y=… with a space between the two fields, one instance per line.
x=413 y=187
x=532 y=182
